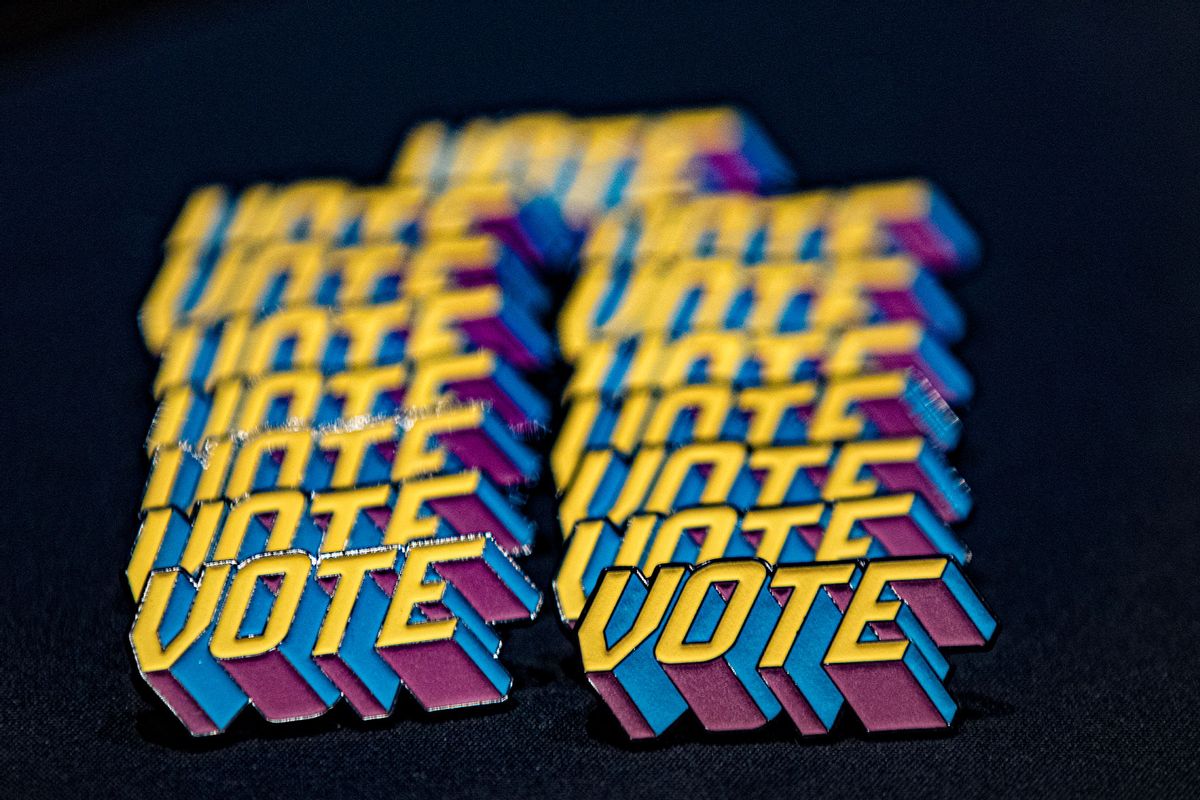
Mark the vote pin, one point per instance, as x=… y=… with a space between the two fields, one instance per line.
x=754 y=473
x=755 y=489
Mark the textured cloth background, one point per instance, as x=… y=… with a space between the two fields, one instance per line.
x=1068 y=137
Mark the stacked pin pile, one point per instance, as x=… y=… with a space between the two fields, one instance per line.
x=754 y=489
x=344 y=411
x=763 y=387
x=315 y=406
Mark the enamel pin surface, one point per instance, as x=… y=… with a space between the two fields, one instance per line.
x=754 y=467
x=755 y=488
x=331 y=508
x=347 y=401
x=290 y=632
x=738 y=641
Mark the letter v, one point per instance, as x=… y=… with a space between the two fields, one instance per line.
x=152 y=655
x=598 y=655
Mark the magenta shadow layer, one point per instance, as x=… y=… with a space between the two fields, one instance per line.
x=716 y=695
x=484 y=590
x=440 y=674
x=885 y=696
x=468 y=514
x=185 y=708
x=617 y=699
x=351 y=687
x=275 y=687
x=939 y=613
x=793 y=701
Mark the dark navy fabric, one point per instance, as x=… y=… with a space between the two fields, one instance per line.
x=1067 y=135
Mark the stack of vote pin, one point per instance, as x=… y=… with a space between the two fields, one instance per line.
x=753 y=473
x=753 y=470
x=345 y=400
x=342 y=400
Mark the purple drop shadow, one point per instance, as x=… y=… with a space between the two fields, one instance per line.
x=900 y=536
x=386 y=580
x=474 y=275
x=468 y=514
x=387 y=450
x=486 y=390
x=885 y=696
x=922 y=240
x=380 y=517
x=909 y=477
x=818 y=475
x=899 y=361
x=508 y=230
x=841 y=595
x=351 y=687
x=793 y=701
x=440 y=675
x=737 y=174
x=939 y=613
x=890 y=417
x=811 y=534
x=483 y=589
x=275 y=687
x=476 y=449
x=623 y=708
x=490 y=333
x=180 y=700
x=716 y=695
x=897 y=305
